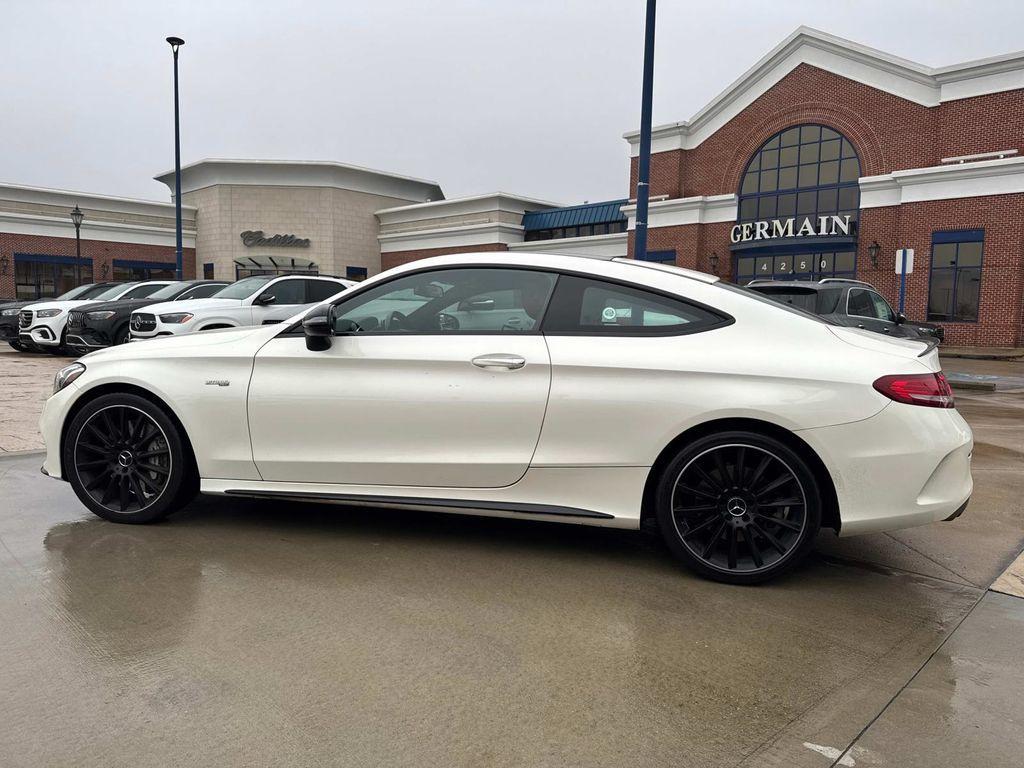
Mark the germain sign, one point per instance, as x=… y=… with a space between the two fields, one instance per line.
x=252 y=239
x=771 y=229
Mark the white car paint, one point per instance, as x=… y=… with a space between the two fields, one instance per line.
x=217 y=312
x=407 y=419
x=47 y=332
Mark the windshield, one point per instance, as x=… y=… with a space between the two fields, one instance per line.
x=804 y=299
x=244 y=288
x=170 y=291
x=113 y=291
x=757 y=296
x=81 y=292
x=142 y=291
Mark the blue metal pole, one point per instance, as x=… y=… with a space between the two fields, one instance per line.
x=177 y=173
x=903 y=278
x=643 y=186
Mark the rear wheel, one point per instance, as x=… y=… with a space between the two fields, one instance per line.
x=739 y=507
x=127 y=461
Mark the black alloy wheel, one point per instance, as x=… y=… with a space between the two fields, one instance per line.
x=126 y=461
x=739 y=507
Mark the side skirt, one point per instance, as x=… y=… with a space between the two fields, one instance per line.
x=423 y=503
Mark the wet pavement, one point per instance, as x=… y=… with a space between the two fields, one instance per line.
x=263 y=633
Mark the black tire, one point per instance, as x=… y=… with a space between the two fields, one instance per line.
x=127 y=461
x=122 y=335
x=60 y=349
x=18 y=346
x=738 y=507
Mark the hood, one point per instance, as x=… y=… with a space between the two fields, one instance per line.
x=17 y=304
x=192 y=305
x=120 y=304
x=65 y=305
x=181 y=346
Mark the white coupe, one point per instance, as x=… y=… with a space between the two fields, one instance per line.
x=557 y=388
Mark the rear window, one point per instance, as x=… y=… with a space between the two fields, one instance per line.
x=761 y=297
x=801 y=299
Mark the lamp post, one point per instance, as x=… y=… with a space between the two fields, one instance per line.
x=176 y=43
x=76 y=219
x=643 y=187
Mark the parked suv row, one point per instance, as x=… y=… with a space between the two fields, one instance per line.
x=100 y=315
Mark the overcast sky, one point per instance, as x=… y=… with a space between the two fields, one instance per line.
x=524 y=96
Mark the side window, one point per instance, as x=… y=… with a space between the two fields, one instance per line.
x=828 y=300
x=585 y=305
x=142 y=291
x=468 y=300
x=321 y=290
x=859 y=303
x=288 y=292
x=882 y=310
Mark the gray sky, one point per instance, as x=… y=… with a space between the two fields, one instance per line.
x=525 y=96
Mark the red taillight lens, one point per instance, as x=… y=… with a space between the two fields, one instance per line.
x=929 y=389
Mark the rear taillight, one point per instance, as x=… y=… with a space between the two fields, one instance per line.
x=929 y=389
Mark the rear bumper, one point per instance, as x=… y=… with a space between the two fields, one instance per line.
x=907 y=465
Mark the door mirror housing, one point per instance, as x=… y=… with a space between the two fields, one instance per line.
x=317 y=326
x=900 y=318
x=264 y=299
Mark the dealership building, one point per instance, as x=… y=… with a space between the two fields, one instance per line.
x=821 y=161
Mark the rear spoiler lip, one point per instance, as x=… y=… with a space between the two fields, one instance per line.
x=929 y=345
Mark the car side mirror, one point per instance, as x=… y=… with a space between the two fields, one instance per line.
x=317 y=326
x=476 y=305
x=900 y=318
x=263 y=299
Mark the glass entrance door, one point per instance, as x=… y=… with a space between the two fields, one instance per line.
x=813 y=265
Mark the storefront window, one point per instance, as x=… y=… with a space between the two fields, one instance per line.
x=143 y=270
x=40 y=276
x=954 y=286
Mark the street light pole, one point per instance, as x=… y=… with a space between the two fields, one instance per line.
x=176 y=43
x=76 y=219
x=643 y=186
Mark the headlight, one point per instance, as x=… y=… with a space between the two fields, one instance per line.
x=176 y=318
x=66 y=375
x=9 y=312
x=48 y=312
x=104 y=315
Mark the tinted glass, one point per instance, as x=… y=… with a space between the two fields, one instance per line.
x=954 y=289
x=287 y=292
x=168 y=291
x=859 y=303
x=793 y=297
x=202 y=291
x=452 y=300
x=321 y=290
x=114 y=292
x=586 y=305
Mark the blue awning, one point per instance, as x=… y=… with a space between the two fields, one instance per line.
x=575 y=216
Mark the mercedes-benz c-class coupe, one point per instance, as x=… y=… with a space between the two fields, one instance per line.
x=557 y=388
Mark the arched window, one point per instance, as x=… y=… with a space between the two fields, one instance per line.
x=808 y=170
x=802 y=173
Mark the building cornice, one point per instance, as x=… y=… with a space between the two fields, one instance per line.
x=598 y=246
x=462 y=206
x=451 y=237
x=301 y=173
x=678 y=211
x=928 y=86
x=51 y=226
x=944 y=182
x=88 y=200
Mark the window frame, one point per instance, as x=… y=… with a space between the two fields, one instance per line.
x=955 y=237
x=295 y=329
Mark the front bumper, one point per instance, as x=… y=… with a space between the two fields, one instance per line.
x=907 y=465
x=51 y=424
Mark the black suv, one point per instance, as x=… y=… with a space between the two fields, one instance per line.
x=105 y=323
x=851 y=303
x=9 y=311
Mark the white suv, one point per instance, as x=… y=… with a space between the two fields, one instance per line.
x=43 y=325
x=249 y=301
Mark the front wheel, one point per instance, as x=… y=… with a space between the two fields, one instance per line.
x=738 y=507
x=18 y=346
x=127 y=461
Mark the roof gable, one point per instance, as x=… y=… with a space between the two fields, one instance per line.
x=928 y=86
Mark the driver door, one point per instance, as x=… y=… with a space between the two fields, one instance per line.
x=411 y=392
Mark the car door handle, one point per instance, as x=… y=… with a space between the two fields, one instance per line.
x=508 y=362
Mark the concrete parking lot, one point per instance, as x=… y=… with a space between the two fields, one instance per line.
x=260 y=633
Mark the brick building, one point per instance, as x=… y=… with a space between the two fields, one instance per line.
x=826 y=157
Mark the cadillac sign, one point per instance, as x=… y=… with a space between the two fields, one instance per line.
x=251 y=239
x=771 y=229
